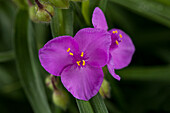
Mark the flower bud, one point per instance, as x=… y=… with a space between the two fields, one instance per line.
x=41 y=15
x=48 y=82
x=63 y=4
x=32 y=13
x=105 y=89
x=61 y=99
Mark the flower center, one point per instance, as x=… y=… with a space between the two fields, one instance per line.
x=117 y=37
x=79 y=59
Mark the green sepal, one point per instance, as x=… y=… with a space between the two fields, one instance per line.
x=105 y=89
x=41 y=15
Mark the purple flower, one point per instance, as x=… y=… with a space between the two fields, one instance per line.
x=78 y=60
x=121 y=49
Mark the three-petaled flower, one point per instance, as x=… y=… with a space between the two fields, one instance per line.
x=78 y=60
x=121 y=49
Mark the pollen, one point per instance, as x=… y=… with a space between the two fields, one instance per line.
x=117 y=42
x=83 y=63
x=82 y=54
x=78 y=63
x=68 y=49
x=71 y=53
x=120 y=35
x=115 y=31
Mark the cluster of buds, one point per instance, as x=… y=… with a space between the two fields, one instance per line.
x=44 y=9
x=41 y=14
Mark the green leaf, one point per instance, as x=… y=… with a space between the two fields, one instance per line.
x=85 y=11
x=6 y=56
x=21 y=3
x=98 y=104
x=84 y=106
x=146 y=73
x=68 y=21
x=62 y=22
x=63 y=4
x=27 y=61
x=103 y=4
x=57 y=23
x=149 y=8
x=78 y=0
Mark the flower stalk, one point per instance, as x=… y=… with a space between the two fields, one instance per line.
x=30 y=3
x=98 y=104
x=53 y=80
x=39 y=4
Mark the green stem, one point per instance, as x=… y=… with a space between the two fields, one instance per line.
x=98 y=104
x=84 y=106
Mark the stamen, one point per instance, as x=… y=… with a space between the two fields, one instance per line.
x=83 y=63
x=115 y=31
x=68 y=49
x=117 y=42
x=120 y=35
x=71 y=53
x=78 y=63
x=82 y=54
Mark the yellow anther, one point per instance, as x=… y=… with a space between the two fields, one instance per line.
x=68 y=49
x=71 y=53
x=82 y=54
x=83 y=63
x=117 y=42
x=115 y=31
x=120 y=35
x=78 y=63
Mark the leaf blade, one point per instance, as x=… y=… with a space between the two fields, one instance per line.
x=28 y=73
x=98 y=104
x=84 y=106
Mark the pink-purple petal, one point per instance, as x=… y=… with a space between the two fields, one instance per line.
x=112 y=72
x=122 y=55
x=54 y=56
x=83 y=83
x=99 y=20
x=111 y=68
x=95 y=43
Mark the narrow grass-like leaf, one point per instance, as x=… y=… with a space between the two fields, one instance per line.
x=68 y=21
x=84 y=106
x=152 y=9
x=98 y=104
x=6 y=56
x=62 y=22
x=103 y=4
x=57 y=23
x=146 y=73
x=85 y=11
x=26 y=63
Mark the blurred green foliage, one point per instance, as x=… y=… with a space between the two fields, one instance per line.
x=145 y=84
